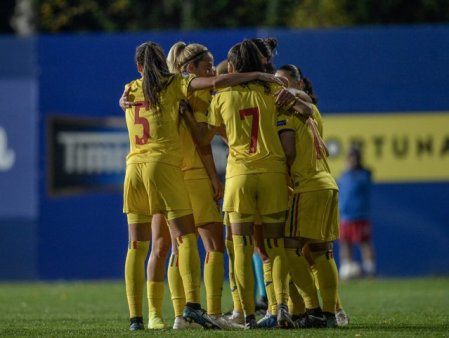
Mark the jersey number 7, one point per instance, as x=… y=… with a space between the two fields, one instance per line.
x=254 y=112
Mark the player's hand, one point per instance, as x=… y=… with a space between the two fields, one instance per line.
x=285 y=97
x=218 y=188
x=184 y=107
x=124 y=102
x=266 y=77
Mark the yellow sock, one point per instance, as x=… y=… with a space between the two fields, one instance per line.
x=232 y=284
x=327 y=277
x=155 y=294
x=301 y=275
x=189 y=267
x=244 y=274
x=276 y=252
x=178 y=296
x=338 y=305
x=296 y=304
x=213 y=281
x=135 y=275
x=271 y=296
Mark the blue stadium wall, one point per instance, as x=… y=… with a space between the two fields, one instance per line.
x=48 y=234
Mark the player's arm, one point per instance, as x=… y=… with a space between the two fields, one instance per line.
x=124 y=101
x=201 y=132
x=287 y=99
x=287 y=137
x=207 y=157
x=228 y=80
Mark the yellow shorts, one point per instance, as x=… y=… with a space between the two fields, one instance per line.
x=205 y=209
x=314 y=215
x=257 y=219
x=152 y=188
x=263 y=194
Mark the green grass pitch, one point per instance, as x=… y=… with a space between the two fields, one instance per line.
x=377 y=308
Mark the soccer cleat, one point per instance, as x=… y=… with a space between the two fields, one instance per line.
x=330 y=319
x=269 y=321
x=301 y=321
x=198 y=316
x=136 y=324
x=224 y=323
x=181 y=324
x=342 y=318
x=155 y=322
x=283 y=317
x=315 y=318
x=250 y=322
x=236 y=318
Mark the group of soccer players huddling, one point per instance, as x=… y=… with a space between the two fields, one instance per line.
x=279 y=195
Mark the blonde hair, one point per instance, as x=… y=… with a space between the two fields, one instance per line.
x=222 y=67
x=181 y=54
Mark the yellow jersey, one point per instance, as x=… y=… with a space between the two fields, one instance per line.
x=249 y=113
x=153 y=134
x=192 y=165
x=310 y=170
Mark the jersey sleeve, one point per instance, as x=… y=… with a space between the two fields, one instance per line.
x=184 y=82
x=200 y=101
x=285 y=123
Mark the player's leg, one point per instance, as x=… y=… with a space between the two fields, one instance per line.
x=242 y=237
x=349 y=236
x=342 y=318
x=139 y=241
x=183 y=229
x=272 y=203
x=296 y=306
x=212 y=235
x=273 y=233
x=367 y=250
x=161 y=243
x=177 y=293
x=237 y=309
x=260 y=257
x=209 y=225
x=135 y=205
x=302 y=277
x=322 y=250
x=270 y=318
x=173 y=200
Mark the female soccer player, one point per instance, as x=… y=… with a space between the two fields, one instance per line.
x=313 y=215
x=199 y=169
x=153 y=180
x=255 y=175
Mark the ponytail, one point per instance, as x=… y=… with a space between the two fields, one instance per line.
x=246 y=57
x=155 y=71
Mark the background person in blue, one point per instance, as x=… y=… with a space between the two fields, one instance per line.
x=355 y=227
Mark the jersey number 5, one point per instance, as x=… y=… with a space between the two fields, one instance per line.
x=254 y=112
x=142 y=121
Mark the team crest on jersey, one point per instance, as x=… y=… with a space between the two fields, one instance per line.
x=281 y=123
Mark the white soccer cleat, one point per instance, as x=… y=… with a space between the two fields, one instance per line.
x=181 y=324
x=237 y=318
x=341 y=318
x=225 y=323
